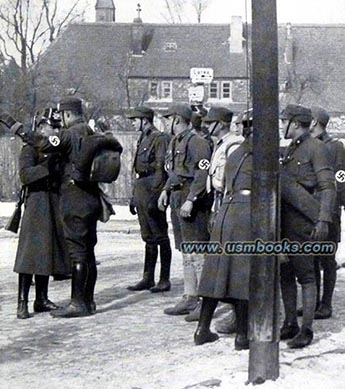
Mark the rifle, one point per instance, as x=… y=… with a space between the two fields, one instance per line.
x=14 y=221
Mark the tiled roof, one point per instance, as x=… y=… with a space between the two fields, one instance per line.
x=99 y=53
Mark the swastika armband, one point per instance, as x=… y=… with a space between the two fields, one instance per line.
x=54 y=140
x=204 y=164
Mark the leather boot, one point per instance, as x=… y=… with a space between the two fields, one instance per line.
x=329 y=264
x=77 y=306
x=241 y=339
x=24 y=283
x=42 y=303
x=289 y=293
x=302 y=339
x=227 y=325
x=147 y=282
x=308 y=299
x=289 y=330
x=186 y=305
x=318 y=286
x=90 y=285
x=195 y=314
x=203 y=333
x=164 y=284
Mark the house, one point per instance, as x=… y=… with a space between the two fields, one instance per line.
x=117 y=65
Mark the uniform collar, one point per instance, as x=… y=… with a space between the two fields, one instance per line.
x=180 y=136
x=301 y=138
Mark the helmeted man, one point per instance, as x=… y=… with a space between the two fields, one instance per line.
x=306 y=165
x=150 y=178
x=187 y=164
x=80 y=204
x=328 y=262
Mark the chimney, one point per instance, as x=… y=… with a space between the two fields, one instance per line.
x=288 y=53
x=105 y=11
x=236 y=35
x=137 y=34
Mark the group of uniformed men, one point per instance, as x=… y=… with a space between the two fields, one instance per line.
x=184 y=169
x=192 y=182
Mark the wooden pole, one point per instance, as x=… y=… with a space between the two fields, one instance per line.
x=264 y=281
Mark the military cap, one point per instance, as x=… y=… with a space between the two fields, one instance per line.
x=7 y=119
x=296 y=112
x=245 y=116
x=140 y=112
x=218 y=114
x=182 y=110
x=320 y=114
x=70 y=103
x=50 y=116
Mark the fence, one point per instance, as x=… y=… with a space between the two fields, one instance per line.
x=10 y=148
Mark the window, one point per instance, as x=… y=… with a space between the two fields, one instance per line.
x=154 y=89
x=160 y=90
x=220 y=90
x=166 y=90
x=214 y=90
x=170 y=46
x=226 y=90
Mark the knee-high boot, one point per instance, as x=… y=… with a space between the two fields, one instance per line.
x=241 y=339
x=329 y=279
x=24 y=283
x=90 y=285
x=289 y=295
x=305 y=336
x=41 y=303
x=164 y=280
x=203 y=333
x=147 y=282
x=77 y=307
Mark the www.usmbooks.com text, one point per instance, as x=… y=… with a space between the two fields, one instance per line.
x=259 y=247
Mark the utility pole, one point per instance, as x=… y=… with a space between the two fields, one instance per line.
x=264 y=280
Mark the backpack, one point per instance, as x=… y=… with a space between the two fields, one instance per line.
x=97 y=159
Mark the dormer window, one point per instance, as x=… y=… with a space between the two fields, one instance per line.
x=170 y=46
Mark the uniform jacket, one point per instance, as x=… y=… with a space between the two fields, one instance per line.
x=306 y=161
x=336 y=152
x=150 y=157
x=188 y=159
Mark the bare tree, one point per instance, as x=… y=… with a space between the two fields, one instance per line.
x=27 y=28
x=200 y=6
x=175 y=10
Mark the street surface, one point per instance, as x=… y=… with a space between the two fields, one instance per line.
x=130 y=343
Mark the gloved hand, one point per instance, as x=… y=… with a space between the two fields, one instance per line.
x=320 y=231
x=132 y=207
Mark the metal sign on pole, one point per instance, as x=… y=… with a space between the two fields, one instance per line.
x=264 y=287
x=201 y=75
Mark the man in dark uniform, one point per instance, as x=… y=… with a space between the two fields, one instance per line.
x=328 y=262
x=187 y=164
x=150 y=178
x=80 y=205
x=305 y=161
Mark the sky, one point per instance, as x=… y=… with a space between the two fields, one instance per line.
x=220 y=11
